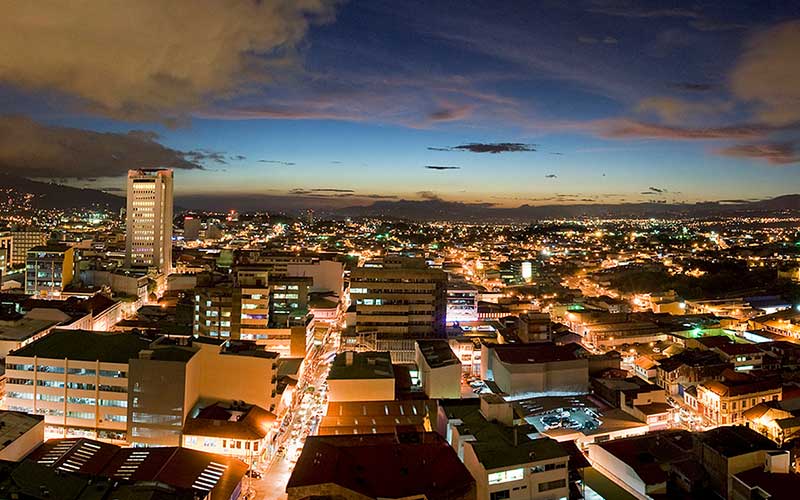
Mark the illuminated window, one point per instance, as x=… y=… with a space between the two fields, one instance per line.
x=506 y=476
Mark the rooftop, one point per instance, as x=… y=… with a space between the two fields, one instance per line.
x=649 y=455
x=732 y=441
x=14 y=424
x=384 y=466
x=83 y=345
x=23 y=328
x=249 y=422
x=544 y=352
x=494 y=442
x=777 y=486
x=361 y=365
x=181 y=468
x=437 y=353
x=737 y=383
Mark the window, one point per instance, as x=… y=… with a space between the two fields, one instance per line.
x=552 y=485
x=506 y=476
x=81 y=371
x=500 y=495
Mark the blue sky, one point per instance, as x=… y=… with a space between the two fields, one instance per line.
x=615 y=100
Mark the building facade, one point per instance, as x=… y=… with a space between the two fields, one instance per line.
x=49 y=269
x=148 y=241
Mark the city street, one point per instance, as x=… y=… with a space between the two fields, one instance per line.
x=300 y=421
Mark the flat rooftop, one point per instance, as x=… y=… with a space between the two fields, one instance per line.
x=24 y=328
x=361 y=365
x=83 y=345
x=437 y=353
x=494 y=442
x=545 y=352
x=14 y=424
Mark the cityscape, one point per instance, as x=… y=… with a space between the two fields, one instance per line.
x=556 y=257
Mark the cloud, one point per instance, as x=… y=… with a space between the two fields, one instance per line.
x=442 y=167
x=621 y=128
x=551 y=176
x=279 y=162
x=676 y=111
x=320 y=190
x=149 y=59
x=429 y=195
x=590 y=40
x=630 y=10
x=492 y=147
x=31 y=149
x=776 y=153
x=692 y=86
x=450 y=113
x=204 y=155
x=767 y=74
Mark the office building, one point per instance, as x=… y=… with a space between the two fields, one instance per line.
x=6 y=251
x=288 y=299
x=213 y=311
x=191 y=228
x=49 y=269
x=77 y=379
x=238 y=309
x=17 y=244
x=462 y=302
x=326 y=275
x=398 y=301
x=148 y=241
x=126 y=389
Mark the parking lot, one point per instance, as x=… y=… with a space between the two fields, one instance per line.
x=564 y=414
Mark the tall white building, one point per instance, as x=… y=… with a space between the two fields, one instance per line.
x=149 y=219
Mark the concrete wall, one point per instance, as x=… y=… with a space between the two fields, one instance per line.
x=561 y=376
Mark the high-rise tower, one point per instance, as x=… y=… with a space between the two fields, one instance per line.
x=149 y=219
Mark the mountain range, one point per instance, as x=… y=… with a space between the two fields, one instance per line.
x=52 y=195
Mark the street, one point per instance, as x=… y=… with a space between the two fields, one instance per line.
x=299 y=421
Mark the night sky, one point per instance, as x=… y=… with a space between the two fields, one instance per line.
x=344 y=103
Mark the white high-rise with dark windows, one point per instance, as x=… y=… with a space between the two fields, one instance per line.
x=149 y=219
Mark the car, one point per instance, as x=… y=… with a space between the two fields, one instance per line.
x=253 y=474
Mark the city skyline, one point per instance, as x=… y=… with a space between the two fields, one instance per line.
x=331 y=104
